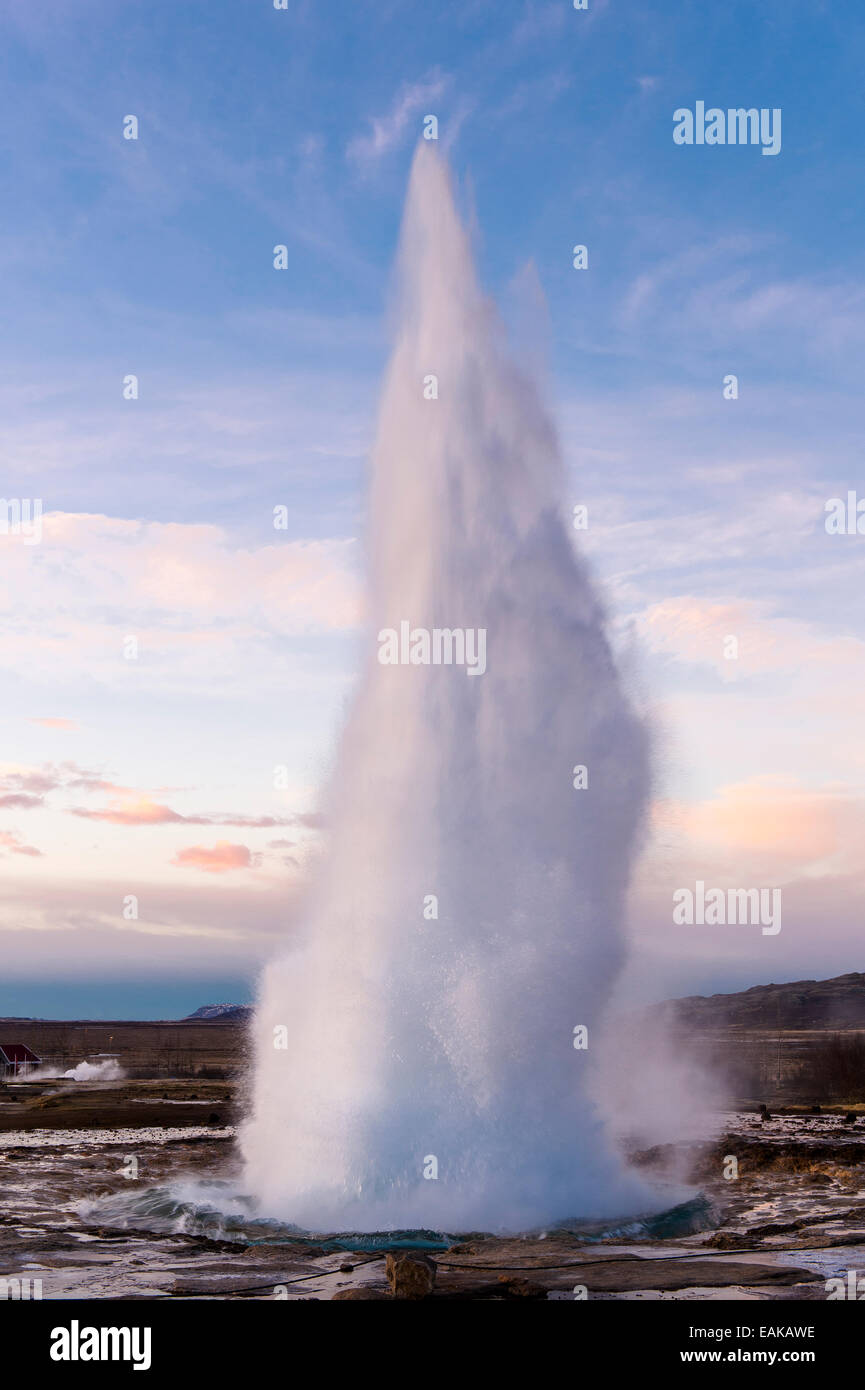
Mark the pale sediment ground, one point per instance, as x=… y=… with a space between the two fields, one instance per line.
x=144 y=1211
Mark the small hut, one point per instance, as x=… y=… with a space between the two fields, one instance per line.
x=16 y=1059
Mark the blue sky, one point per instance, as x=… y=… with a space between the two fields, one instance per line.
x=258 y=388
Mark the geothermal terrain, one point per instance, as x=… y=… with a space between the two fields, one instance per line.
x=158 y=1212
x=131 y=1187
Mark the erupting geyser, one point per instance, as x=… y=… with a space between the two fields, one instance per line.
x=414 y=1037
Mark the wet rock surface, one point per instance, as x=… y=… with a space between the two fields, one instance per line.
x=105 y=1213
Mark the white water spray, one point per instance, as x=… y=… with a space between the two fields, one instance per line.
x=415 y=1038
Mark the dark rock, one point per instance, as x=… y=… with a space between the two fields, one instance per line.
x=729 y=1240
x=522 y=1288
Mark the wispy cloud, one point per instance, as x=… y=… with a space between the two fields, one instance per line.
x=143 y=811
x=12 y=842
x=387 y=132
x=20 y=801
x=199 y=605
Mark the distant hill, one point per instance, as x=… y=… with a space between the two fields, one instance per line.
x=802 y=1004
x=226 y=1013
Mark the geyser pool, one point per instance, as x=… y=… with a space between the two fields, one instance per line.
x=414 y=1046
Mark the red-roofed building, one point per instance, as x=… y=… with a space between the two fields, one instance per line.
x=16 y=1059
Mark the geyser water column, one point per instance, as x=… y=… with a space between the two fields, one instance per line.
x=414 y=1049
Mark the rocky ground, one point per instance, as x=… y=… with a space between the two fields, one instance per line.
x=126 y=1190
x=64 y=1104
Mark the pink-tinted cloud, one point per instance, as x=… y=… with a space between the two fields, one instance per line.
x=90 y=782
x=23 y=787
x=697 y=630
x=9 y=840
x=766 y=830
x=767 y=816
x=144 y=811
x=239 y=603
x=222 y=858
x=55 y=723
x=197 y=923
x=48 y=777
x=15 y=778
